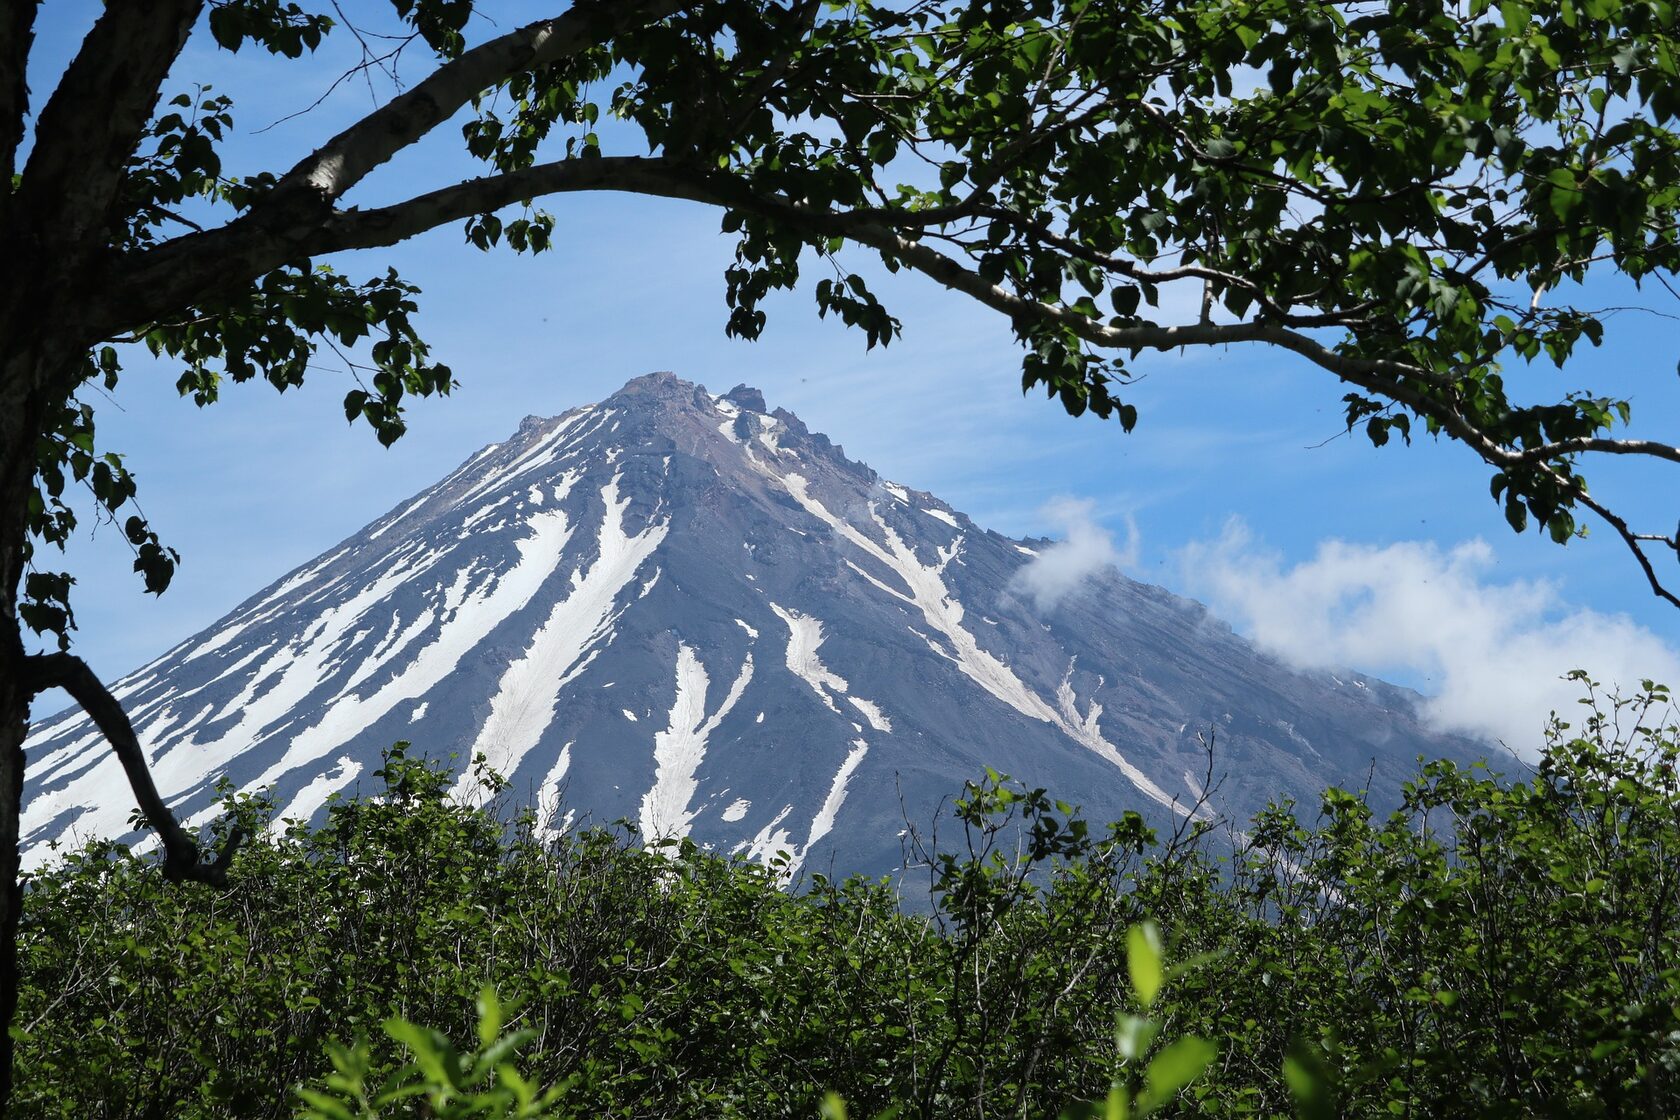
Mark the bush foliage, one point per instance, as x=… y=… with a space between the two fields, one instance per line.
x=1496 y=946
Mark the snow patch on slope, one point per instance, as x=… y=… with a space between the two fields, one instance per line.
x=548 y=797
x=545 y=450
x=773 y=840
x=576 y=628
x=295 y=671
x=805 y=636
x=1084 y=730
x=823 y=823
x=929 y=594
x=398 y=517
x=217 y=642
x=872 y=712
x=770 y=840
x=941 y=515
x=314 y=795
x=679 y=749
x=480 y=612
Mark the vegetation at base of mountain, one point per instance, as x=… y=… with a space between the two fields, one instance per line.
x=1495 y=947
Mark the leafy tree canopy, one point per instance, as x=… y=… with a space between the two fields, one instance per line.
x=1406 y=195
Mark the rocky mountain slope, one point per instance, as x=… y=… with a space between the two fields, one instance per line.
x=694 y=613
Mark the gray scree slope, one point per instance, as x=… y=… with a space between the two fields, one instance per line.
x=693 y=613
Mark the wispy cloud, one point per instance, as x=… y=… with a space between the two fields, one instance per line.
x=1085 y=549
x=1491 y=653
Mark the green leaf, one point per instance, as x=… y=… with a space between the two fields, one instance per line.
x=1309 y=1083
x=1133 y=1035
x=1144 y=963
x=1565 y=194
x=1173 y=1068
x=323 y=1106
x=432 y=1052
x=489 y=1016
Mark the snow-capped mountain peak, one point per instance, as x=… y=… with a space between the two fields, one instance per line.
x=691 y=612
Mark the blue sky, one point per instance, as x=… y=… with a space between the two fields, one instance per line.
x=1239 y=485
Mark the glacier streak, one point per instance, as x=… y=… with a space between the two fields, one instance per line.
x=823 y=823
x=666 y=812
x=804 y=636
x=942 y=611
x=941 y=515
x=523 y=705
x=396 y=518
x=871 y=712
x=297 y=670
x=548 y=796
x=479 y=614
x=540 y=452
x=314 y=795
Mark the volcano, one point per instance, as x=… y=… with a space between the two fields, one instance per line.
x=689 y=612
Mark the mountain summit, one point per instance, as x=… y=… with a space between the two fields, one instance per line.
x=692 y=612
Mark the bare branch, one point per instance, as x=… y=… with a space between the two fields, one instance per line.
x=361 y=229
x=369 y=62
x=181 y=856
x=1629 y=537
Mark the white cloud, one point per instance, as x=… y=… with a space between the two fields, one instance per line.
x=1490 y=653
x=1086 y=548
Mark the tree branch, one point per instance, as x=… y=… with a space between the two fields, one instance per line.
x=171 y=275
x=181 y=857
x=1427 y=392
x=1037 y=231
x=347 y=158
x=1604 y=446
x=1629 y=537
x=178 y=273
x=90 y=127
x=387 y=225
x=1384 y=375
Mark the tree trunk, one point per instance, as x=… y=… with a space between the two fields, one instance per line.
x=14 y=727
x=20 y=415
x=43 y=362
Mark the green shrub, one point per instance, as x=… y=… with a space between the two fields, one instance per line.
x=453 y=1086
x=1495 y=947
